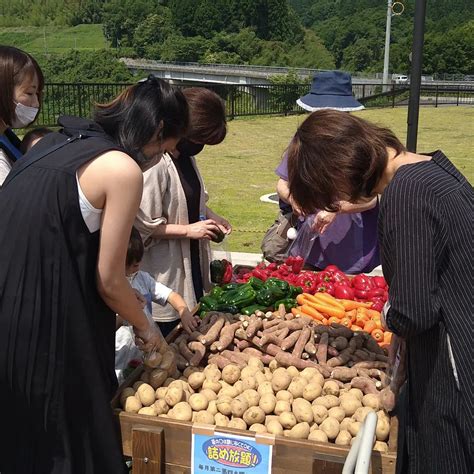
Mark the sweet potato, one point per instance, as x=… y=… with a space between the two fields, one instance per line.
x=199 y=351
x=301 y=342
x=213 y=333
x=344 y=374
x=255 y=323
x=365 y=384
x=290 y=340
x=226 y=336
x=340 y=343
x=322 y=351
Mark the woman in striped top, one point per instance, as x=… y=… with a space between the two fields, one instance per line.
x=426 y=237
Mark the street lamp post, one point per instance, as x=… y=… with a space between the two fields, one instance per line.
x=386 y=57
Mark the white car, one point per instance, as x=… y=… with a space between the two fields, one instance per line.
x=400 y=79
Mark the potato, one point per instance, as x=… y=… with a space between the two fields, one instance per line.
x=145 y=376
x=174 y=395
x=182 y=411
x=239 y=387
x=150 y=411
x=313 y=375
x=284 y=395
x=258 y=428
x=345 y=423
x=132 y=404
x=281 y=379
x=331 y=387
x=320 y=413
x=312 y=391
x=214 y=386
x=361 y=413
x=372 y=401
x=153 y=359
x=203 y=416
x=126 y=392
x=357 y=393
x=239 y=406
x=168 y=381
x=160 y=393
x=331 y=427
x=248 y=372
x=191 y=370
x=146 y=394
x=273 y=365
x=177 y=383
x=255 y=362
x=237 y=423
x=314 y=426
x=287 y=420
x=297 y=386
x=198 y=402
x=293 y=371
x=196 y=380
x=249 y=383
x=221 y=420
x=252 y=397
x=267 y=403
x=212 y=373
x=137 y=384
x=161 y=407
x=281 y=406
x=212 y=407
x=231 y=373
x=332 y=400
x=350 y=404
x=338 y=413
x=382 y=429
x=254 y=415
x=354 y=427
x=343 y=438
x=299 y=431
x=209 y=394
x=260 y=378
x=223 y=404
x=302 y=410
x=229 y=391
x=319 y=436
x=265 y=387
x=381 y=447
x=274 y=427
x=268 y=374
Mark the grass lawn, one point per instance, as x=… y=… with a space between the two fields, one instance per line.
x=241 y=169
x=38 y=39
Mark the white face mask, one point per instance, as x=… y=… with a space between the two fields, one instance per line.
x=24 y=115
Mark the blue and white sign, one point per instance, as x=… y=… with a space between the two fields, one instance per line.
x=223 y=453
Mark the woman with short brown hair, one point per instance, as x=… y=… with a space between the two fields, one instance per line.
x=21 y=87
x=425 y=234
x=174 y=220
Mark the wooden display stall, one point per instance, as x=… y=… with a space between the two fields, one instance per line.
x=163 y=446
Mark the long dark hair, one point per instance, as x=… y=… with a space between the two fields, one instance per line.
x=15 y=66
x=337 y=156
x=134 y=116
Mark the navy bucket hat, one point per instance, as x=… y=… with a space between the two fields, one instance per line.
x=330 y=90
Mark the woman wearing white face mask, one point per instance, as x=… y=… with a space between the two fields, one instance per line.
x=21 y=85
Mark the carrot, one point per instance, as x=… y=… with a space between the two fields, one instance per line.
x=327 y=309
x=333 y=319
x=387 y=337
x=301 y=299
x=360 y=320
x=356 y=328
x=350 y=305
x=325 y=322
x=369 y=326
x=296 y=311
x=326 y=298
x=310 y=311
x=377 y=334
x=378 y=323
x=373 y=314
x=346 y=322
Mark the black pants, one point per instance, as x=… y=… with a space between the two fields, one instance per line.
x=168 y=326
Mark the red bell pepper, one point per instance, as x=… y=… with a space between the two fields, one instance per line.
x=332 y=269
x=361 y=282
x=326 y=287
x=307 y=281
x=379 y=281
x=344 y=292
x=375 y=292
x=260 y=273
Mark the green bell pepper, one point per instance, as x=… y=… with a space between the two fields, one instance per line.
x=266 y=297
x=256 y=283
x=216 y=292
x=288 y=303
x=249 y=310
x=295 y=291
x=227 y=308
x=231 y=286
x=208 y=302
x=278 y=287
x=241 y=297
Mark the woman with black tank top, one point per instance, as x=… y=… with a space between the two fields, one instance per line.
x=66 y=212
x=175 y=223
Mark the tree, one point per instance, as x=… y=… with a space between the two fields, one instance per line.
x=152 y=32
x=179 y=48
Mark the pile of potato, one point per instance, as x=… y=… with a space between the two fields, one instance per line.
x=284 y=401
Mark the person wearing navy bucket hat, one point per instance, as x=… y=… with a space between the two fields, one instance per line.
x=347 y=238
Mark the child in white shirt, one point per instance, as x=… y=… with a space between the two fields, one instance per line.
x=148 y=290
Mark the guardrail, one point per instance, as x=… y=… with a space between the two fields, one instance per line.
x=245 y=100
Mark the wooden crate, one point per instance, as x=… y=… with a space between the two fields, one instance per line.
x=163 y=446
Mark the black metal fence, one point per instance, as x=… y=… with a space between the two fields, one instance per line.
x=245 y=100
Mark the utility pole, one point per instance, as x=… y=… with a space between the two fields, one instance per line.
x=415 y=76
x=386 y=57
